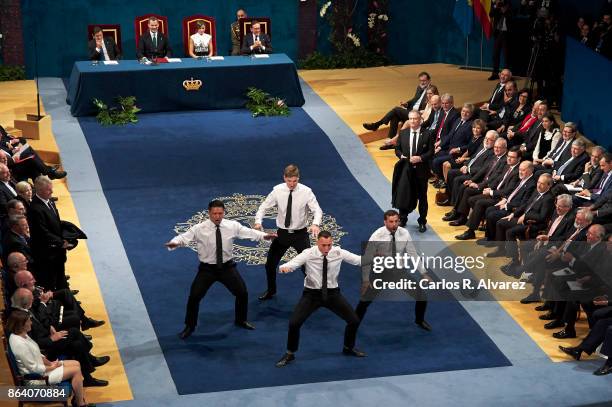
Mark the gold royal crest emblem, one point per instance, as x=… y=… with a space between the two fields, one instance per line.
x=192 y=84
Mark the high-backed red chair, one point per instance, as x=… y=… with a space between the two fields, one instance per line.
x=108 y=30
x=141 y=25
x=190 y=28
x=245 y=26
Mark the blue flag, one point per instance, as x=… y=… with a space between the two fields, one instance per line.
x=463 y=15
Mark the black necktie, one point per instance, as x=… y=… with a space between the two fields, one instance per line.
x=52 y=207
x=393 y=248
x=412 y=142
x=155 y=40
x=219 y=247
x=324 y=282
x=288 y=214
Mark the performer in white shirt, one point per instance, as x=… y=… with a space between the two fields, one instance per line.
x=215 y=239
x=293 y=201
x=31 y=361
x=401 y=242
x=200 y=42
x=321 y=289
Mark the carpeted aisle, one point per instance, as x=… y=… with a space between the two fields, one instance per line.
x=163 y=170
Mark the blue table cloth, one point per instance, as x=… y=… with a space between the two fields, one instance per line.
x=160 y=88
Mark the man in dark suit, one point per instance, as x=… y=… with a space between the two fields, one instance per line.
x=565 y=172
x=480 y=158
x=256 y=42
x=102 y=48
x=400 y=113
x=449 y=117
x=153 y=43
x=48 y=245
x=497 y=96
x=501 y=16
x=411 y=172
x=562 y=151
x=17 y=239
x=475 y=184
x=602 y=210
x=7 y=190
x=590 y=196
x=537 y=210
x=514 y=173
x=453 y=142
x=510 y=203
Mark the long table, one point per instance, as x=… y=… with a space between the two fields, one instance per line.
x=160 y=87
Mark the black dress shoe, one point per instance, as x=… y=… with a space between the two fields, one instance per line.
x=467 y=235
x=604 y=370
x=245 y=325
x=572 y=351
x=564 y=334
x=371 y=126
x=74 y=292
x=422 y=227
x=510 y=268
x=267 y=295
x=56 y=174
x=424 y=325
x=387 y=147
x=543 y=307
x=93 y=382
x=99 y=361
x=461 y=220
x=554 y=324
x=531 y=298
x=451 y=216
x=88 y=337
x=90 y=323
x=186 y=333
x=285 y=360
x=452 y=212
x=497 y=253
x=549 y=316
x=445 y=202
x=353 y=352
x=482 y=228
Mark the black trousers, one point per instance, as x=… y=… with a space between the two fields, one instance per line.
x=602 y=319
x=418 y=194
x=311 y=301
x=393 y=117
x=29 y=169
x=299 y=240
x=463 y=206
x=73 y=313
x=479 y=204
x=73 y=346
x=493 y=215
x=207 y=275
x=500 y=44
x=418 y=294
x=455 y=184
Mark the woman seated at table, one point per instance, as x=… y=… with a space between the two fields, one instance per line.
x=31 y=361
x=199 y=43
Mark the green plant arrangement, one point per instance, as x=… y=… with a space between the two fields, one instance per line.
x=117 y=115
x=262 y=104
x=12 y=73
x=348 y=51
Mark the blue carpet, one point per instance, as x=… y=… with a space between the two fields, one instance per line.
x=166 y=168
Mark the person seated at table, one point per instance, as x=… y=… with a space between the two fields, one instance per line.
x=153 y=43
x=256 y=42
x=235 y=31
x=102 y=48
x=199 y=43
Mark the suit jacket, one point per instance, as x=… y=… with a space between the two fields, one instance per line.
x=5 y=196
x=427 y=124
x=603 y=193
x=45 y=231
x=476 y=163
x=540 y=211
x=496 y=100
x=574 y=168
x=603 y=206
x=564 y=230
x=449 y=123
x=12 y=242
x=510 y=183
x=522 y=195
x=248 y=41
x=146 y=49
x=592 y=177
x=458 y=136
x=590 y=262
x=111 y=48
x=481 y=177
x=402 y=172
x=567 y=151
x=417 y=94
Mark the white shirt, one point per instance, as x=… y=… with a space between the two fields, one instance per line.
x=201 y=42
x=204 y=235
x=102 y=49
x=313 y=259
x=302 y=200
x=403 y=244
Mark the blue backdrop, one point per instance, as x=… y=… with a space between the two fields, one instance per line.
x=584 y=95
